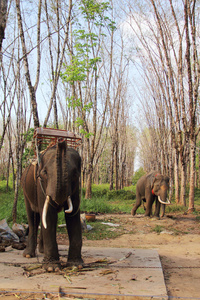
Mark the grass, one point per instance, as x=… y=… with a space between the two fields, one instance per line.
x=158 y=229
x=101 y=231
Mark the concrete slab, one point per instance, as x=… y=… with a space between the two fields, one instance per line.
x=127 y=274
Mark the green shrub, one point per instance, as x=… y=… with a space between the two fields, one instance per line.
x=6 y=206
x=120 y=194
x=139 y=173
x=95 y=205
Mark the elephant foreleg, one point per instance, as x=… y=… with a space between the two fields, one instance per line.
x=49 y=236
x=74 y=232
x=75 y=239
x=162 y=210
x=149 y=203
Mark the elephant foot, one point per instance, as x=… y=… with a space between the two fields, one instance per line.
x=156 y=217
x=133 y=212
x=147 y=216
x=74 y=262
x=28 y=253
x=51 y=265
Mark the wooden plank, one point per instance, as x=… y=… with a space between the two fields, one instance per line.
x=56 y=133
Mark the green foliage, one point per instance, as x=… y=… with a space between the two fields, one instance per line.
x=175 y=208
x=103 y=191
x=95 y=11
x=95 y=205
x=105 y=201
x=84 y=61
x=120 y=194
x=158 y=229
x=3 y=187
x=29 y=151
x=139 y=173
x=29 y=135
x=6 y=205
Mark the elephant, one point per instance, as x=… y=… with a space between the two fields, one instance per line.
x=51 y=184
x=152 y=187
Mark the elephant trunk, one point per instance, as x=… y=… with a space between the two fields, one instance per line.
x=163 y=202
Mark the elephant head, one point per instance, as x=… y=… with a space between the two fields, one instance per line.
x=160 y=187
x=54 y=180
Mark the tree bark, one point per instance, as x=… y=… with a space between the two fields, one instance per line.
x=26 y=65
x=3 y=17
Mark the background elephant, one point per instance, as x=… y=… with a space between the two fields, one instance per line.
x=50 y=185
x=152 y=187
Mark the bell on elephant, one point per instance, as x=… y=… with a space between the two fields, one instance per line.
x=151 y=188
x=49 y=186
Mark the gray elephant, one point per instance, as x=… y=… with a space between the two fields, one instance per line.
x=152 y=187
x=50 y=185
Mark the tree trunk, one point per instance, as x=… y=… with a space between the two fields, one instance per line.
x=176 y=176
x=116 y=165
x=199 y=169
x=111 y=167
x=3 y=12
x=26 y=65
x=192 y=173
x=183 y=184
x=88 y=192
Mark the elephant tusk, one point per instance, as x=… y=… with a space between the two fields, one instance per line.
x=44 y=212
x=70 y=206
x=162 y=202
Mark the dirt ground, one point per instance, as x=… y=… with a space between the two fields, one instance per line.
x=178 y=245
x=175 y=237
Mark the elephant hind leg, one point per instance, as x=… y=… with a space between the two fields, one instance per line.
x=33 y=221
x=135 y=207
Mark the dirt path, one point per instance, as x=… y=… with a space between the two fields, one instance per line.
x=178 y=245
